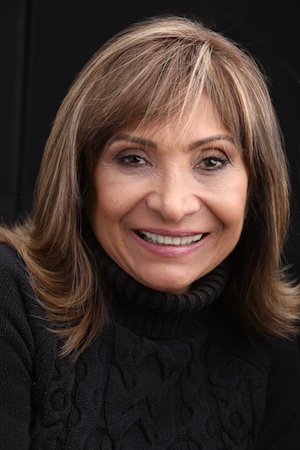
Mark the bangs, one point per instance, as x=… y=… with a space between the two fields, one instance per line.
x=168 y=84
x=140 y=80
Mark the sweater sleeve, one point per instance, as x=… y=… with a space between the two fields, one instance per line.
x=16 y=355
x=280 y=429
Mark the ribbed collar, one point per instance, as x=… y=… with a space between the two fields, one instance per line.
x=157 y=314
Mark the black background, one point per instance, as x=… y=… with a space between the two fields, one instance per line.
x=44 y=43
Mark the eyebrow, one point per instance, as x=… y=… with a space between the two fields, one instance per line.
x=219 y=137
x=193 y=146
x=134 y=139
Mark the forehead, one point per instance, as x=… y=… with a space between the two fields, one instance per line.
x=198 y=122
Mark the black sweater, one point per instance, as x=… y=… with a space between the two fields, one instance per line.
x=168 y=373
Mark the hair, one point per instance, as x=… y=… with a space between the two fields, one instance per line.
x=153 y=70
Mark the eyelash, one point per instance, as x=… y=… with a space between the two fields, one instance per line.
x=223 y=161
x=122 y=160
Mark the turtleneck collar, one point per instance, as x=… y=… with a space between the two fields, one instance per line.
x=157 y=314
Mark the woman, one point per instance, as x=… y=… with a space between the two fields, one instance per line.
x=144 y=303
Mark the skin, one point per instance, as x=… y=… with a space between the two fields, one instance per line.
x=148 y=180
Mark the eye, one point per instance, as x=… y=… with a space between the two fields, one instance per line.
x=131 y=160
x=213 y=162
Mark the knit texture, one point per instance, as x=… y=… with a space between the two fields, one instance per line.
x=169 y=373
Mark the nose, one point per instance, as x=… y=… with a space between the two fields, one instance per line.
x=174 y=198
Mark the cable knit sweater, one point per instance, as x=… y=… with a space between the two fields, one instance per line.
x=169 y=372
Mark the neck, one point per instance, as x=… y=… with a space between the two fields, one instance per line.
x=157 y=314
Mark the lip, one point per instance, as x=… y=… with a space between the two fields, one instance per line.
x=171 y=233
x=169 y=250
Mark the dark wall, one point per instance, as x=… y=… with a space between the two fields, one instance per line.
x=44 y=43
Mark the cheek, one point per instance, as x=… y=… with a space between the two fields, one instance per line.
x=111 y=201
x=230 y=206
x=237 y=211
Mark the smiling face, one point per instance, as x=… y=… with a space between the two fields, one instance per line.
x=169 y=210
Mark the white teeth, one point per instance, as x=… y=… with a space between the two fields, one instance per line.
x=169 y=240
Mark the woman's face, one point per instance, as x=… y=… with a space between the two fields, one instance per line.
x=169 y=210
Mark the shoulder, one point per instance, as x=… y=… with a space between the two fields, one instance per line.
x=275 y=363
x=281 y=426
x=18 y=305
x=10 y=261
x=13 y=276
x=269 y=371
x=285 y=368
x=268 y=359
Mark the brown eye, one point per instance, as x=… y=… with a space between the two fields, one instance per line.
x=131 y=160
x=213 y=163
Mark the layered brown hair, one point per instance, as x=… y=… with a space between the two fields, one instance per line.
x=153 y=71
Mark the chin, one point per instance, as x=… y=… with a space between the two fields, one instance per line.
x=172 y=280
x=169 y=287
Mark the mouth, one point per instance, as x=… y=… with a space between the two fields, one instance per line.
x=170 y=240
